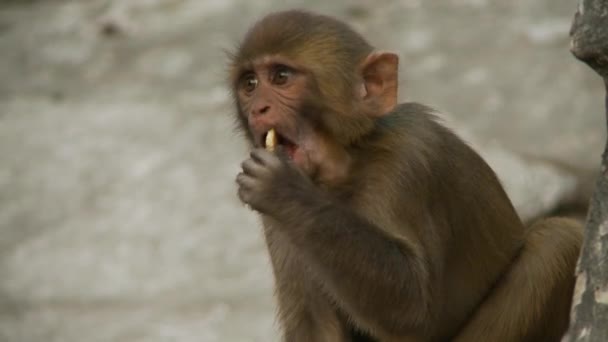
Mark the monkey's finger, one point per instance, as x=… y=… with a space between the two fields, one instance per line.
x=263 y=156
x=267 y=158
x=281 y=153
x=245 y=181
x=258 y=154
x=249 y=198
x=251 y=167
x=245 y=196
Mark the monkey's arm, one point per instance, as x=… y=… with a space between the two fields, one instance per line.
x=377 y=276
x=380 y=278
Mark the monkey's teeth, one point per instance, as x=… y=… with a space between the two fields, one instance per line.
x=271 y=140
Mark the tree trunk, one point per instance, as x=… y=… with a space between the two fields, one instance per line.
x=589 y=35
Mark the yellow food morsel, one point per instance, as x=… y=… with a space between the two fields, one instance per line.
x=271 y=140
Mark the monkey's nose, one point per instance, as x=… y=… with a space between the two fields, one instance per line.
x=261 y=110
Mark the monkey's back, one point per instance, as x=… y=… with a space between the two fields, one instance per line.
x=438 y=175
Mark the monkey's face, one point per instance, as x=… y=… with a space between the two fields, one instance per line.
x=317 y=114
x=272 y=94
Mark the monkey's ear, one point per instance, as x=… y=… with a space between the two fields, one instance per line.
x=380 y=76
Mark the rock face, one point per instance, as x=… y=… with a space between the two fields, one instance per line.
x=590 y=301
x=118 y=215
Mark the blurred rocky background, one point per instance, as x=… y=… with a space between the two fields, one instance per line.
x=118 y=214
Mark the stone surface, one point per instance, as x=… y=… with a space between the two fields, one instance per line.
x=590 y=305
x=118 y=215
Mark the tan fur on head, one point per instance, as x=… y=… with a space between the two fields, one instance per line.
x=325 y=48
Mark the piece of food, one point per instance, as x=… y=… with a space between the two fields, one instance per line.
x=271 y=140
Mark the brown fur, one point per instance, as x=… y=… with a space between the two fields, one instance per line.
x=537 y=289
x=417 y=241
x=327 y=49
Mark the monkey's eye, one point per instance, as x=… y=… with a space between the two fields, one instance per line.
x=281 y=74
x=249 y=82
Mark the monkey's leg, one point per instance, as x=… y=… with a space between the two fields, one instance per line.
x=531 y=302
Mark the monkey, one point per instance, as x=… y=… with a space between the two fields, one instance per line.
x=381 y=224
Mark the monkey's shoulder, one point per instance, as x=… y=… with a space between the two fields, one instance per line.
x=415 y=135
x=413 y=124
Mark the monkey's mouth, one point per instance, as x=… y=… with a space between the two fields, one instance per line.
x=281 y=142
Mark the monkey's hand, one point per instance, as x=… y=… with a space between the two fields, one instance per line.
x=270 y=183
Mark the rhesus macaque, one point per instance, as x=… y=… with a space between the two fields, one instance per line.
x=382 y=224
